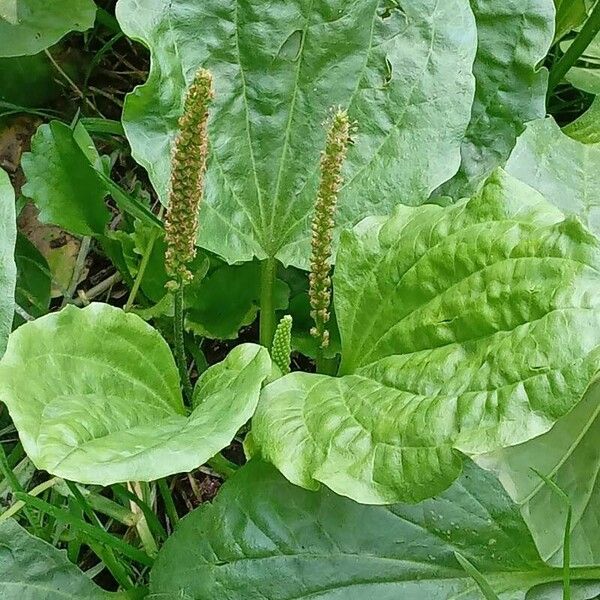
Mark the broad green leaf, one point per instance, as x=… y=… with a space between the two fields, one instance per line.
x=29 y=26
x=565 y=171
x=586 y=128
x=402 y=70
x=569 y=455
x=514 y=38
x=227 y=300
x=265 y=538
x=63 y=183
x=466 y=328
x=31 y=569
x=94 y=394
x=33 y=279
x=570 y=14
x=8 y=271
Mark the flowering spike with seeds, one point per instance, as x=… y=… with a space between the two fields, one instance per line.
x=282 y=342
x=332 y=158
x=187 y=180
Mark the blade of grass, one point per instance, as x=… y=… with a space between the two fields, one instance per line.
x=126 y=495
x=16 y=488
x=480 y=580
x=92 y=531
x=170 y=509
x=129 y=204
x=106 y=126
x=36 y=491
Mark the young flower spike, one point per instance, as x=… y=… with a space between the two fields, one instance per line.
x=282 y=342
x=332 y=160
x=187 y=180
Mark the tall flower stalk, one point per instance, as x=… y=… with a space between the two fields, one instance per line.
x=332 y=159
x=187 y=185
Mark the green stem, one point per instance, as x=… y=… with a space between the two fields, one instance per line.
x=180 y=344
x=170 y=509
x=325 y=366
x=93 y=532
x=267 y=304
x=576 y=49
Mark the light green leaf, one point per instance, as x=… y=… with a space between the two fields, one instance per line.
x=94 y=394
x=586 y=128
x=62 y=182
x=29 y=26
x=569 y=455
x=514 y=38
x=265 y=538
x=403 y=71
x=565 y=171
x=469 y=328
x=8 y=270
x=31 y=569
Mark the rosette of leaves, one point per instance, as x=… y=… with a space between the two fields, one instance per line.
x=95 y=396
x=463 y=330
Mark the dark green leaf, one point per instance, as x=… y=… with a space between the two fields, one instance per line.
x=33 y=279
x=31 y=569
x=62 y=182
x=264 y=538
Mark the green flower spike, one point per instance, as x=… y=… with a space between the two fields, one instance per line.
x=187 y=180
x=332 y=159
x=282 y=344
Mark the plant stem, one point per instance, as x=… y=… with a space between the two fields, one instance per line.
x=170 y=509
x=576 y=49
x=180 y=344
x=325 y=366
x=267 y=304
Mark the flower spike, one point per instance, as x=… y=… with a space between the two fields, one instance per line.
x=282 y=344
x=332 y=159
x=187 y=180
